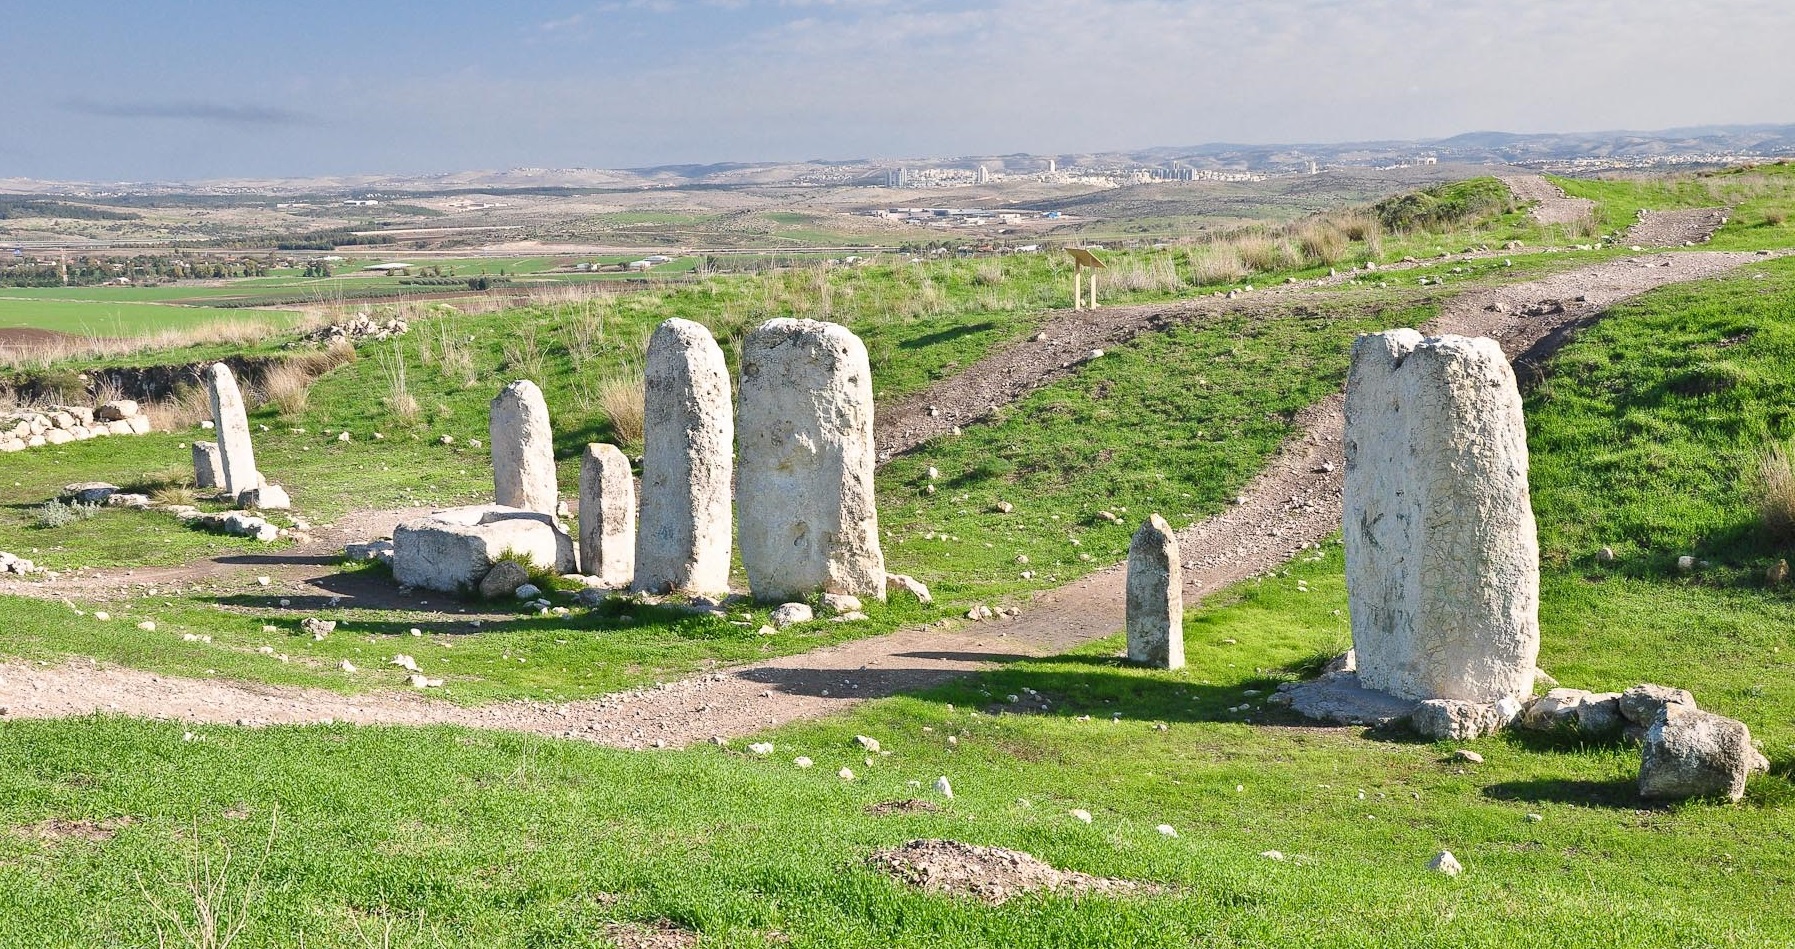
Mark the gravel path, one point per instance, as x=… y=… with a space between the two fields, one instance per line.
x=1676 y=228
x=1292 y=504
x=1550 y=204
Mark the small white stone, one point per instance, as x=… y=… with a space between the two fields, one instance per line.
x=1445 y=863
x=348 y=666
x=1081 y=814
x=870 y=744
x=1168 y=830
x=845 y=774
x=147 y=626
x=802 y=761
x=263 y=581
x=102 y=615
x=761 y=747
x=943 y=788
x=1272 y=854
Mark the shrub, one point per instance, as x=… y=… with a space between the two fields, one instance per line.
x=1445 y=207
x=287 y=387
x=55 y=513
x=620 y=399
x=1216 y=263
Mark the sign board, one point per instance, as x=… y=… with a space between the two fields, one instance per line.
x=1085 y=258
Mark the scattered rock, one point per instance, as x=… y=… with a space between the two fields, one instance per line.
x=528 y=591
x=317 y=628
x=870 y=744
x=1445 y=863
x=898 y=581
x=943 y=788
x=1466 y=754
x=787 y=614
x=841 y=603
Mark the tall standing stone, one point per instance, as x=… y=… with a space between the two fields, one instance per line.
x=809 y=520
x=523 y=449
x=1155 y=597
x=607 y=516
x=1442 y=559
x=236 y=456
x=688 y=439
x=208 y=470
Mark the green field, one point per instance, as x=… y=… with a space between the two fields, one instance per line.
x=107 y=318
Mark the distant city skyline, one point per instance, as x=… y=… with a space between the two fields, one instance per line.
x=207 y=89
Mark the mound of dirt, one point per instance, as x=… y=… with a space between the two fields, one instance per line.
x=990 y=874
x=1676 y=228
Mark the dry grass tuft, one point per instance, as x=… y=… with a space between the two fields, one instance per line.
x=287 y=386
x=620 y=398
x=1775 y=489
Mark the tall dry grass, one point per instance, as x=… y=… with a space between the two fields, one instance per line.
x=398 y=399
x=241 y=332
x=1774 y=488
x=1216 y=262
x=442 y=344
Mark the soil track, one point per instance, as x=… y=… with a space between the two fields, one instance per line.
x=1293 y=503
x=1550 y=204
x=1676 y=228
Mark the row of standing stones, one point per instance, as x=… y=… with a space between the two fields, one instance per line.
x=1442 y=571
x=795 y=455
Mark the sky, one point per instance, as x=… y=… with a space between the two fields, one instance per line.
x=166 y=90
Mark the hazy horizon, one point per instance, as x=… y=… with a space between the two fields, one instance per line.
x=227 y=90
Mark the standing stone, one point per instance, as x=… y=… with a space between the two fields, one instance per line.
x=809 y=520
x=688 y=440
x=235 y=454
x=523 y=449
x=208 y=469
x=607 y=516
x=1442 y=560
x=1155 y=597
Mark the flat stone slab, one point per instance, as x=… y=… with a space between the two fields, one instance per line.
x=1340 y=698
x=452 y=550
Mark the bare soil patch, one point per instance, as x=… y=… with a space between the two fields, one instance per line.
x=58 y=829
x=911 y=806
x=1676 y=228
x=989 y=874
x=660 y=934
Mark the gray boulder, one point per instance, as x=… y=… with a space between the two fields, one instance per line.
x=503 y=579
x=90 y=492
x=1454 y=720
x=1642 y=703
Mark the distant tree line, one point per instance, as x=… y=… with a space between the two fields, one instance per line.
x=14 y=206
x=80 y=271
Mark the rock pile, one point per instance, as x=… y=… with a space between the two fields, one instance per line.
x=60 y=424
x=990 y=874
x=360 y=327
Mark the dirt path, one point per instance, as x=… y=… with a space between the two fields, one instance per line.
x=1292 y=504
x=1676 y=228
x=1551 y=204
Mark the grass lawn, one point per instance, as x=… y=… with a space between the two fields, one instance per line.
x=107 y=318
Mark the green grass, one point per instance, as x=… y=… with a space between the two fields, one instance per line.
x=1762 y=198
x=107 y=318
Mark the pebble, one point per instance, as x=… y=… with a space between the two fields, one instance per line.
x=802 y=761
x=348 y=666
x=263 y=581
x=147 y=626
x=943 y=788
x=845 y=774
x=1445 y=863
x=1466 y=754
x=1168 y=830
x=761 y=748
x=102 y=615
x=1082 y=814
x=1272 y=854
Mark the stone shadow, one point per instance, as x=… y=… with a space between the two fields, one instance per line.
x=1617 y=793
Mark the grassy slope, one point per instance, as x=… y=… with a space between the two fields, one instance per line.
x=1761 y=198
x=474 y=838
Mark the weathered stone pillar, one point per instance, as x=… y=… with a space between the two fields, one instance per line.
x=1155 y=597
x=607 y=516
x=523 y=449
x=208 y=469
x=809 y=520
x=236 y=455
x=1442 y=560
x=688 y=440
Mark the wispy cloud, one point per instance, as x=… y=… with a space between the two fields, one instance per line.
x=221 y=113
x=564 y=23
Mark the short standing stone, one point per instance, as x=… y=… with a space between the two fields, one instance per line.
x=1442 y=558
x=1692 y=753
x=208 y=465
x=607 y=516
x=688 y=434
x=809 y=521
x=523 y=449
x=1155 y=595
x=452 y=550
x=235 y=454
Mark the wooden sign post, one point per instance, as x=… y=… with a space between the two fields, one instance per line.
x=1083 y=260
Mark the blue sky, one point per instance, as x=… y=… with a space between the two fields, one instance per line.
x=186 y=90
